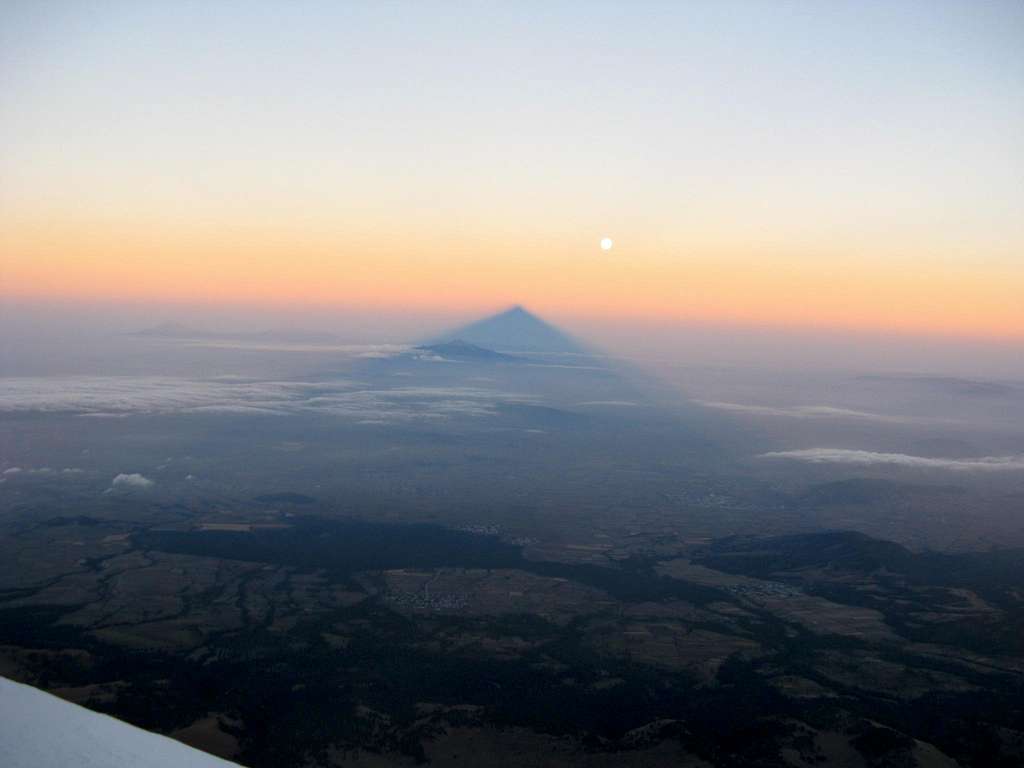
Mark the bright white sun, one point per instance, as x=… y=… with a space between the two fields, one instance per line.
x=606 y=243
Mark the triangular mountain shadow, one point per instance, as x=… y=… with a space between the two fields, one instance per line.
x=514 y=330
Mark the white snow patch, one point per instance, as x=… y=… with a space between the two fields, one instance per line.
x=38 y=730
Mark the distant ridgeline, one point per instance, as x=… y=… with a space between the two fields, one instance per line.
x=180 y=331
x=463 y=350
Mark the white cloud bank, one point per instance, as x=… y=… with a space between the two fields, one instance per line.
x=848 y=456
x=42 y=471
x=132 y=480
x=120 y=396
x=807 y=412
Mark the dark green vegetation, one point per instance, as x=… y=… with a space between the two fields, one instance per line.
x=303 y=678
x=345 y=547
x=340 y=547
x=902 y=585
x=993 y=574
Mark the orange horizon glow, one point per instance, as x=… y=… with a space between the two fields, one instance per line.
x=708 y=283
x=848 y=168
x=851 y=168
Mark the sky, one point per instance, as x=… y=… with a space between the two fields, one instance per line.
x=809 y=167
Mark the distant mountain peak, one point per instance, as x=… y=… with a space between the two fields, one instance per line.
x=515 y=329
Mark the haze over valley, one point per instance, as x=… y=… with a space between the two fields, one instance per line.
x=506 y=499
x=511 y=384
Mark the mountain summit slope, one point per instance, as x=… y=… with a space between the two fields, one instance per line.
x=514 y=330
x=463 y=350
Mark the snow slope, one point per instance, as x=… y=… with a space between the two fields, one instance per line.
x=38 y=730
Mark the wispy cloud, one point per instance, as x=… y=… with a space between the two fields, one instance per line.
x=112 y=396
x=352 y=350
x=570 y=367
x=133 y=394
x=848 y=456
x=809 y=412
x=41 y=471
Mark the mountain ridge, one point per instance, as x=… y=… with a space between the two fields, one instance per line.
x=182 y=331
x=461 y=349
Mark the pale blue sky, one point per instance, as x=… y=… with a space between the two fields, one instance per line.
x=664 y=102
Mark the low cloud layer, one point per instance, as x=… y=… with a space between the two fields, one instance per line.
x=116 y=395
x=363 y=351
x=41 y=471
x=119 y=396
x=806 y=412
x=847 y=456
